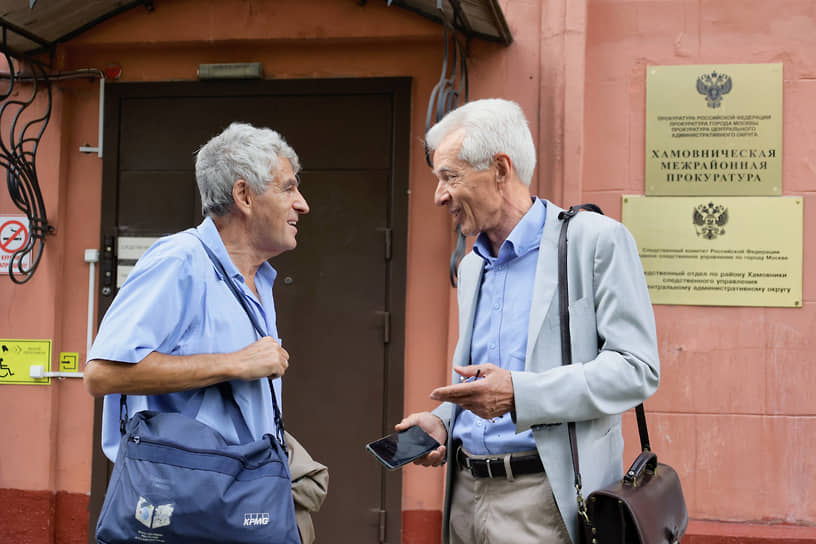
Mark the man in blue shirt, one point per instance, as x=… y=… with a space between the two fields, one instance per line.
x=175 y=327
x=502 y=427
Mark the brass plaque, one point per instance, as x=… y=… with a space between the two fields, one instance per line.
x=721 y=251
x=714 y=130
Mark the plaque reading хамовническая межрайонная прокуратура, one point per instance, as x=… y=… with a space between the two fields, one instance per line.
x=714 y=130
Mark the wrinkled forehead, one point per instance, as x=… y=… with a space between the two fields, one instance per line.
x=282 y=174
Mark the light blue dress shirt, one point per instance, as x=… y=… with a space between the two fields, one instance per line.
x=174 y=302
x=500 y=327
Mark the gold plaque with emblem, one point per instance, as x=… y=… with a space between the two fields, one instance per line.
x=714 y=130
x=719 y=251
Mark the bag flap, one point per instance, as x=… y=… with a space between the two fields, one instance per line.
x=656 y=506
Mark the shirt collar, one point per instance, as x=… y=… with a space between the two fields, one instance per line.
x=524 y=238
x=209 y=234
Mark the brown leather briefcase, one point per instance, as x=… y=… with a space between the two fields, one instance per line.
x=645 y=507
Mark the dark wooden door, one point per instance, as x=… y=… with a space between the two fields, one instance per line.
x=339 y=295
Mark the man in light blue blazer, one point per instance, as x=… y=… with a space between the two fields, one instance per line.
x=503 y=420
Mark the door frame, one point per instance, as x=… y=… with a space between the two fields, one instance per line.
x=396 y=268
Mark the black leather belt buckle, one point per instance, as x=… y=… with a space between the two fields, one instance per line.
x=488 y=468
x=495 y=467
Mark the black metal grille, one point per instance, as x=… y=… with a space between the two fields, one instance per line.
x=25 y=109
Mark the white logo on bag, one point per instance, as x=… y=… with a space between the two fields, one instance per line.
x=153 y=516
x=256 y=519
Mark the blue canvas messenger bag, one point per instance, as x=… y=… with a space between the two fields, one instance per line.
x=177 y=480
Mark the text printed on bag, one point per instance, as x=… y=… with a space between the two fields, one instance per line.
x=256 y=519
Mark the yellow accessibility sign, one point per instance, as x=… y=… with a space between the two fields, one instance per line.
x=17 y=357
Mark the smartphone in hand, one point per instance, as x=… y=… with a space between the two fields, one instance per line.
x=398 y=449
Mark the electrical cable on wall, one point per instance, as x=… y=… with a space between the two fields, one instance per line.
x=444 y=98
x=18 y=151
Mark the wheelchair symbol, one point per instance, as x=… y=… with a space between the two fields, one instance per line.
x=5 y=370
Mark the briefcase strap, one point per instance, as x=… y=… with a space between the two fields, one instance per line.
x=566 y=348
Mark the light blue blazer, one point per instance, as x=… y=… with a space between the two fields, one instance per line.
x=614 y=348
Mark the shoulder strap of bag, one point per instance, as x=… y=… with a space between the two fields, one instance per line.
x=192 y=407
x=566 y=346
x=261 y=332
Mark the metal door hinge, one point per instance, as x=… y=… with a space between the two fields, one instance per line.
x=386 y=326
x=381 y=525
x=387 y=239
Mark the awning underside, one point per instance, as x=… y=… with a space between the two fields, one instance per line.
x=30 y=27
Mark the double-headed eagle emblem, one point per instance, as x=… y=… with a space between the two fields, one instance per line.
x=713 y=86
x=709 y=220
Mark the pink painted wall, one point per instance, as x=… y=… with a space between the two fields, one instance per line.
x=30 y=312
x=733 y=413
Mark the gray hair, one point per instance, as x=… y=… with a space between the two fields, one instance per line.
x=491 y=126
x=241 y=151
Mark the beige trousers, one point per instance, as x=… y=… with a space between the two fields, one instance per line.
x=499 y=511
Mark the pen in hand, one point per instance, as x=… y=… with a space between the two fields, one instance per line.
x=472 y=378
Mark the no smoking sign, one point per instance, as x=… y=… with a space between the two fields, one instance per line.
x=14 y=233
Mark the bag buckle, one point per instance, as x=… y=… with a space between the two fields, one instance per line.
x=582 y=511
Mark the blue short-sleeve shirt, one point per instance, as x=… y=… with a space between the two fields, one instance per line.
x=174 y=302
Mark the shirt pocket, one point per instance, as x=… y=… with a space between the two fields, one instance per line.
x=515 y=361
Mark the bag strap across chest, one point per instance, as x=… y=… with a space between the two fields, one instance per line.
x=236 y=291
x=192 y=407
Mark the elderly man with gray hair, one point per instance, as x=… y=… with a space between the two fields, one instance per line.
x=175 y=327
x=503 y=421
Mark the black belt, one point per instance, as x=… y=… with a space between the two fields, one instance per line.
x=494 y=467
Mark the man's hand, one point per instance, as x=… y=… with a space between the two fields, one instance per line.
x=489 y=395
x=434 y=427
x=262 y=358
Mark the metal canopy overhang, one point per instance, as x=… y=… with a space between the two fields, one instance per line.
x=32 y=27
x=473 y=18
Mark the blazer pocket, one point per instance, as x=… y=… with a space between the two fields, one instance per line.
x=610 y=441
x=581 y=310
x=607 y=428
x=583 y=330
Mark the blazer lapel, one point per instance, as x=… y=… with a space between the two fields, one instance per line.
x=470 y=279
x=546 y=280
